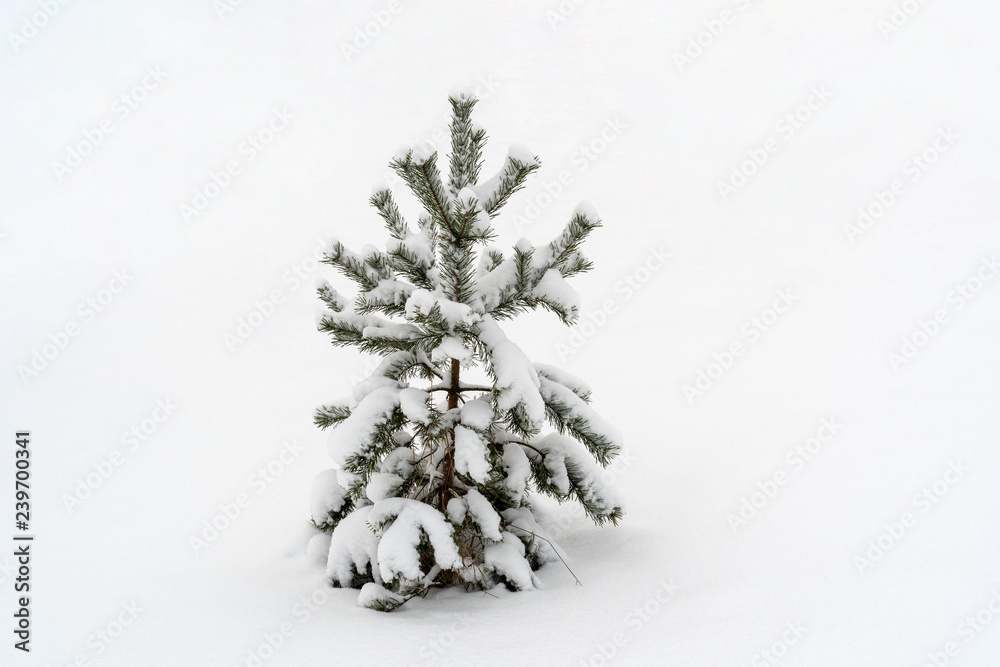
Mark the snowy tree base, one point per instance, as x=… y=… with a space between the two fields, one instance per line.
x=478 y=549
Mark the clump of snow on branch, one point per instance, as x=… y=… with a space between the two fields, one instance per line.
x=326 y=497
x=481 y=513
x=516 y=378
x=353 y=550
x=471 y=453
x=477 y=414
x=407 y=522
x=506 y=559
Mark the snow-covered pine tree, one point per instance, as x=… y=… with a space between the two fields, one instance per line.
x=438 y=451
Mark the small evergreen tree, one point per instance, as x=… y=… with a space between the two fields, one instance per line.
x=433 y=471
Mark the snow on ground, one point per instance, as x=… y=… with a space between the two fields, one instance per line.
x=796 y=495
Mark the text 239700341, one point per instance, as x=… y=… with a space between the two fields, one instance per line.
x=22 y=541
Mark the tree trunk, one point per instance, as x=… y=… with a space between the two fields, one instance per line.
x=448 y=465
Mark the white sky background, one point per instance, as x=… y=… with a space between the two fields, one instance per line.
x=904 y=113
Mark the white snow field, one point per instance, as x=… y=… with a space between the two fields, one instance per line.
x=793 y=320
